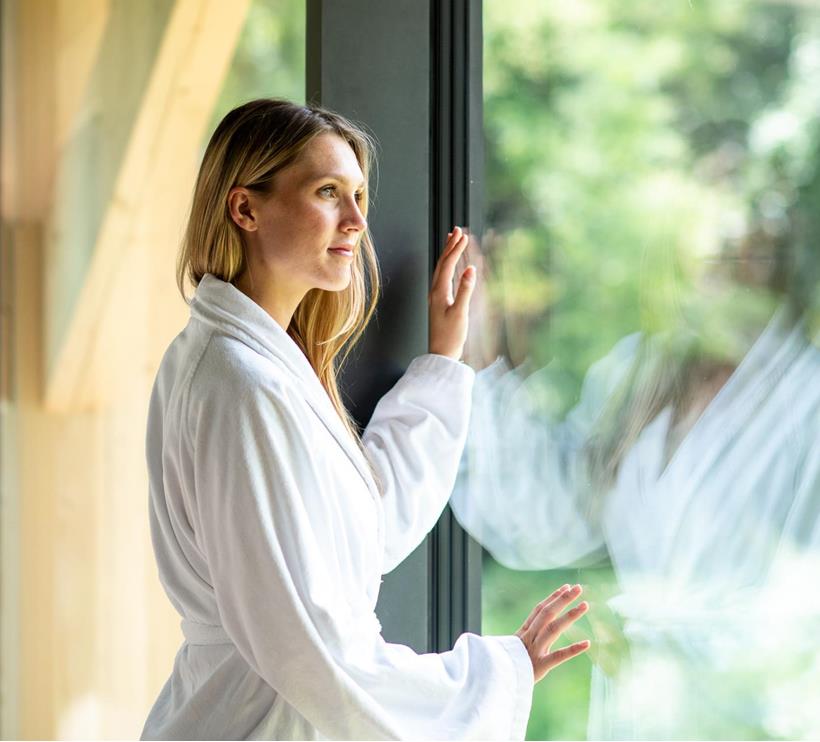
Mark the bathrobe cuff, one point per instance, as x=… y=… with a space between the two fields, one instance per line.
x=523 y=682
x=443 y=367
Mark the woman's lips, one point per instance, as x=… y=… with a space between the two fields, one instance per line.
x=343 y=251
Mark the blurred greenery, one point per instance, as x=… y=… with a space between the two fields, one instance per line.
x=649 y=167
x=637 y=154
x=269 y=61
x=560 y=700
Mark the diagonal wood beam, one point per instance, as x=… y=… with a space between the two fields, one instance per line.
x=153 y=179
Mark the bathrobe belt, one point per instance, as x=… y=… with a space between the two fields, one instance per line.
x=203 y=633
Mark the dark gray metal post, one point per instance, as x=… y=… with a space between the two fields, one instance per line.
x=456 y=170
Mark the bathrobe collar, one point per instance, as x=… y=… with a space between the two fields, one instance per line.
x=225 y=308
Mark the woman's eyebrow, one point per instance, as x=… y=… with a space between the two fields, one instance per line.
x=334 y=176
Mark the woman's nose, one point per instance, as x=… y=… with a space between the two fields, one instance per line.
x=354 y=219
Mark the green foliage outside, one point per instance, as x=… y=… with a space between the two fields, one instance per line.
x=560 y=700
x=269 y=61
x=627 y=145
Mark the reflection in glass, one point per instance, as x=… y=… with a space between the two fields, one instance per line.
x=649 y=398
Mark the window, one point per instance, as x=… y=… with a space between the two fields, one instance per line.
x=647 y=419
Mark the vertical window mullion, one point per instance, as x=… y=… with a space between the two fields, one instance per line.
x=455 y=169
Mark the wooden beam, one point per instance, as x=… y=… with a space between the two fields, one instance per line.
x=153 y=181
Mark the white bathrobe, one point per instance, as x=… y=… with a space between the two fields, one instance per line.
x=716 y=552
x=271 y=538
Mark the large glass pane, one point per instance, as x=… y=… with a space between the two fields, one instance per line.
x=269 y=59
x=647 y=413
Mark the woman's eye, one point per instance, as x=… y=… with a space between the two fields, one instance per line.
x=331 y=191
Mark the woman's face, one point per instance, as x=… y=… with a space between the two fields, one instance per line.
x=307 y=230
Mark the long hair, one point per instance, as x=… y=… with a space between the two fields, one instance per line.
x=250 y=146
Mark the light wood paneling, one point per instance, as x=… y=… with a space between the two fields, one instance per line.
x=88 y=635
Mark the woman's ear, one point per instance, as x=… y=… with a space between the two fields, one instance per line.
x=239 y=206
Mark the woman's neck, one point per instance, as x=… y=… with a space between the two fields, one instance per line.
x=278 y=302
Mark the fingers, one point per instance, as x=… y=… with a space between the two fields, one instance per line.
x=553 y=607
x=549 y=622
x=546 y=623
x=452 y=239
x=553 y=659
x=556 y=627
x=443 y=274
x=554 y=594
x=457 y=244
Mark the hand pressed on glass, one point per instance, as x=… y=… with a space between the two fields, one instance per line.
x=448 y=314
x=546 y=623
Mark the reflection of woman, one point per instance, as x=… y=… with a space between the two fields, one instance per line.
x=701 y=480
x=270 y=530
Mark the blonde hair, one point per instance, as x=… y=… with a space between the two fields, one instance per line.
x=249 y=147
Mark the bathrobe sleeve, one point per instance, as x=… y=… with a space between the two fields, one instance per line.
x=414 y=441
x=523 y=488
x=283 y=607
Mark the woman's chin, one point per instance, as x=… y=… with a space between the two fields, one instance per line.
x=339 y=283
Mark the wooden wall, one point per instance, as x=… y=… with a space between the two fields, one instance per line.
x=104 y=106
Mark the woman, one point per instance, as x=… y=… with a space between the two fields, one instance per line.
x=272 y=521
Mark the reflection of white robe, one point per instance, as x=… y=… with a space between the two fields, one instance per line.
x=271 y=539
x=717 y=553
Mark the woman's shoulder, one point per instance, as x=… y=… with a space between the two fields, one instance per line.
x=234 y=388
x=230 y=369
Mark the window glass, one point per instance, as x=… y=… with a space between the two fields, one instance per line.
x=269 y=60
x=646 y=415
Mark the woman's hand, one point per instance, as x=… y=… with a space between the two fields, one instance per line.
x=545 y=624
x=448 y=314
